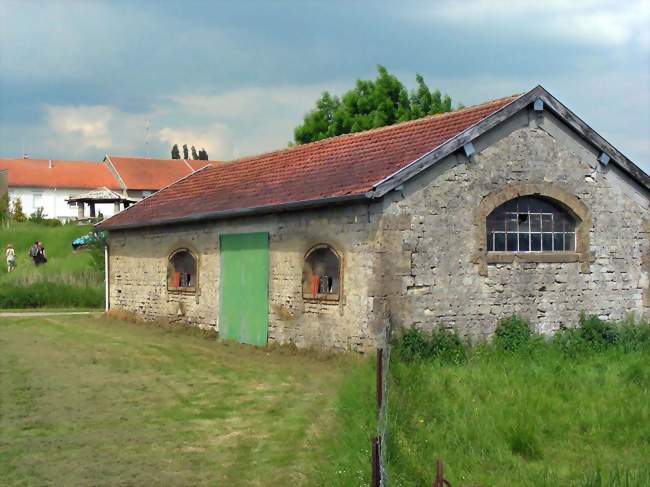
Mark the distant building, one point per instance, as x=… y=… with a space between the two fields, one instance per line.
x=49 y=184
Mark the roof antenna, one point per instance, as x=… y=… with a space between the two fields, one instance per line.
x=146 y=139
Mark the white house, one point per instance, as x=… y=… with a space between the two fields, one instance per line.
x=49 y=184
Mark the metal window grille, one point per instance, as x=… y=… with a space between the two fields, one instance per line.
x=530 y=224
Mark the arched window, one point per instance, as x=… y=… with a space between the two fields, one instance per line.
x=531 y=224
x=182 y=271
x=321 y=277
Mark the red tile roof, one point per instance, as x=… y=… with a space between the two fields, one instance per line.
x=43 y=173
x=345 y=165
x=153 y=174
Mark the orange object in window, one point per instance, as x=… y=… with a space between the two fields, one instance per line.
x=176 y=282
x=314 y=283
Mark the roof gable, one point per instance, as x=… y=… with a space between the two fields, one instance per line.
x=45 y=173
x=151 y=174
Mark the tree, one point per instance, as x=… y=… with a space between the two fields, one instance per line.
x=370 y=104
x=195 y=156
x=38 y=216
x=203 y=155
x=176 y=154
x=17 y=213
x=186 y=155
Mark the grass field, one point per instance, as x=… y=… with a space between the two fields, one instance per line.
x=91 y=401
x=67 y=280
x=542 y=417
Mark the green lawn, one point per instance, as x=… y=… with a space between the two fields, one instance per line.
x=532 y=419
x=68 y=279
x=91 y=401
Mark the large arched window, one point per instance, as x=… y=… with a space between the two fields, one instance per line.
x=182 y=272
x=530 y=224
x=321 y=277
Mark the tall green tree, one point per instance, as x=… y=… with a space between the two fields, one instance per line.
x=203 y=155
x=370 y=104
x=176 y=154
x=186 y=154
x=195 y=156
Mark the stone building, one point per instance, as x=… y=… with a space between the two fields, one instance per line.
x=454 y=220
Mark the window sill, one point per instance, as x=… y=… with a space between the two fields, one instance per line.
x=321 y=298
x=181 y=290
x=538 y=257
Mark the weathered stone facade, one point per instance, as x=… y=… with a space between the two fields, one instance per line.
x=417 y=257
x=138 y=267
x=453 y=282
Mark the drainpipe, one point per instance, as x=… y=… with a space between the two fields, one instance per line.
x=106 y=280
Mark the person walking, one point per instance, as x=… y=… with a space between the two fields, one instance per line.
x=33 y=251
x=10 y=253
x=40 y=254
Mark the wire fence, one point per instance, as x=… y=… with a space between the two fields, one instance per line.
x=379 y=443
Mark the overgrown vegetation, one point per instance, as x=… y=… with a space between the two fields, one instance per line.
x=92 y=401
x=68 y=279
x=569 y=410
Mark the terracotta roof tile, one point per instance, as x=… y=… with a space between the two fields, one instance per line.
x=153 y=174
x=43 y=173
x=344 y=165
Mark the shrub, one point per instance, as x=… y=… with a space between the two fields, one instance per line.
x=447 y=346
x=440 y=344
x=17 y=213
x=411 y=344
x=38 y=216
x=512 y=334
x=97 y=254
x=597 y=333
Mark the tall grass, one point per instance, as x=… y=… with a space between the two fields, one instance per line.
x=68 y=279
x=523 y=410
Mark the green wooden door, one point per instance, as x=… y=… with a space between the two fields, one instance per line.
x=244 y=311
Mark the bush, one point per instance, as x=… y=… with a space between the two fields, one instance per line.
x=38 y=216
x=17 y=214
x=597 y=333
x=512 y=334
x=414 y=344
x=411 y=344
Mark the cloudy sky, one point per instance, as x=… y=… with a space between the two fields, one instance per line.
x=79 y=79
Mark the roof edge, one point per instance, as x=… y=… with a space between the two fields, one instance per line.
x=238 y=212
x=161 y=189
x=479 y=128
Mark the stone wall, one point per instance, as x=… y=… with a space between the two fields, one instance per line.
x=138 y=273
x=452 y=282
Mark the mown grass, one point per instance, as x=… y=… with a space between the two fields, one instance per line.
x=92 y=401
x=68 y=279
x=573 y=411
